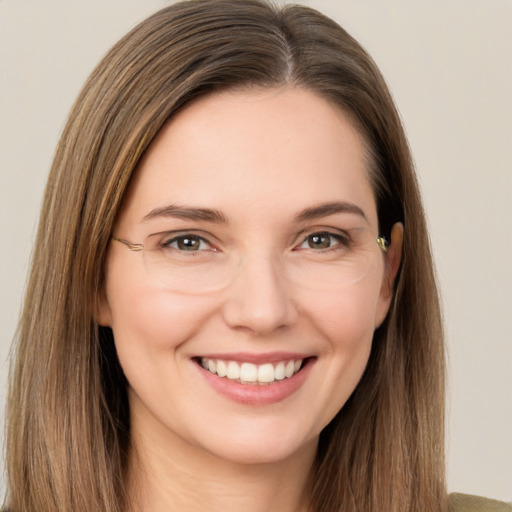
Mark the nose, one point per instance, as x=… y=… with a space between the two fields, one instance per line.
x=258 y=299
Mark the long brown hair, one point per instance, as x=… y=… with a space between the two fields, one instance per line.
x=68 y=419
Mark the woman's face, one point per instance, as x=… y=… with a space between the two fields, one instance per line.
x=259 y=226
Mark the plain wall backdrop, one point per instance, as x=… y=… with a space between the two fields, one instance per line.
x=449 y=67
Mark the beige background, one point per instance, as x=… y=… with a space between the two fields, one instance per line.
x=448 y=63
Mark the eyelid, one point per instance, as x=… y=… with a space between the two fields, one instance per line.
x=342 y=236
x=331 y=230
x=168 y=236
x=167 y=243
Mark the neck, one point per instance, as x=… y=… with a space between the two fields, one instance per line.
x=175 y=476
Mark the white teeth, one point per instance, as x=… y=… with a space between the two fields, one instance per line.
x=248 y=372
x=290 y=367
x=279 y=371
x=266 y=373
x=233 y=371
x=222 y=369
x=252 y=373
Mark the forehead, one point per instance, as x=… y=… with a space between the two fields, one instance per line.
x=282 y=149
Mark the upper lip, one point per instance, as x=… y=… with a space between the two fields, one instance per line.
x=261 y=358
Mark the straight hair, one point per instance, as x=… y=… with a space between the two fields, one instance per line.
x=68 y=428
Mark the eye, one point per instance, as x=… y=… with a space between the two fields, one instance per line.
x=323 y=240
x=188 y=243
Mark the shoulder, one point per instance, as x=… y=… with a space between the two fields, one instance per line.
x=468 y=503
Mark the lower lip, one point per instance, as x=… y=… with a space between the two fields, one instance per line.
x=256 y=394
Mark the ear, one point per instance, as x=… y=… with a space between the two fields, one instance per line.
x=393 y=259
x=103 y=314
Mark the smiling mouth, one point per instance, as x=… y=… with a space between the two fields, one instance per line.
x=249 y=373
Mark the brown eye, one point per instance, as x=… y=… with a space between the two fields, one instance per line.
x=189 y=243
x=324 y=240
x=319 y=241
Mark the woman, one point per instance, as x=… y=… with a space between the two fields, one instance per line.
x=234 y=259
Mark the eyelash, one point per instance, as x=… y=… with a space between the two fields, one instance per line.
x=166 y=244
x=340 y=241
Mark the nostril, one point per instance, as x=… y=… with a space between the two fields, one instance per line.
x=259 y=306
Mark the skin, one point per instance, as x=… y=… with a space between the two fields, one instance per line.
x=260 y=158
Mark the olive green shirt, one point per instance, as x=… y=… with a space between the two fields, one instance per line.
x=468 y=503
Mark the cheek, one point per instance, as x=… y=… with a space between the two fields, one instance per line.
x=350 y=330
x=347 y=318
x=147 y=320
x=346 y=321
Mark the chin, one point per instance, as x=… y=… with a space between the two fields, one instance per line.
x=261 y=443
x=258 y=453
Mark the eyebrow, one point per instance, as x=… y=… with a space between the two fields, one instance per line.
x=217 y=217
x=323 y=210
x=187 y=213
